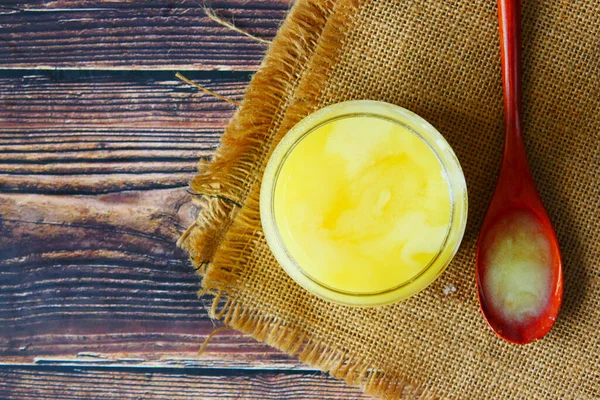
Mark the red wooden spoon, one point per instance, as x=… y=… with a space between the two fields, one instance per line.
x=518 y=262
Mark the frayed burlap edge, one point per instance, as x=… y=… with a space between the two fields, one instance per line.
x=218 y=239
x=226 y=180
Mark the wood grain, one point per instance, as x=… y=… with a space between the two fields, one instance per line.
x=101 y=275
x=20 y=383
x=93 y=174
x=136 y=34
x=88 y=133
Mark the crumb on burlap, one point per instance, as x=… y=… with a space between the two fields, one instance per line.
x=449 y=289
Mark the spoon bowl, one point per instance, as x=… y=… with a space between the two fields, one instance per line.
x=542 y=296
x=518 y=263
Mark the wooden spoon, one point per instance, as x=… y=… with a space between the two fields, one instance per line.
x=518 y=263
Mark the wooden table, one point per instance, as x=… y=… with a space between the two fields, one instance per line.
x=98 y=141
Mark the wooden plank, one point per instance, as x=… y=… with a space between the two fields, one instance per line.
x=101 y=275
x=89 y=133
x=138 y=34
x=63 y=99
x=20 y=383
x=93 y=175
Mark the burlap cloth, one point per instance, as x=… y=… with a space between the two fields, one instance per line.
x=439 y=59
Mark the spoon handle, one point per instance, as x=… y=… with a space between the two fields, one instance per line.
x=509 y=21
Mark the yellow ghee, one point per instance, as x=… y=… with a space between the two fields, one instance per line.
x=363 y=203
x=518 y=277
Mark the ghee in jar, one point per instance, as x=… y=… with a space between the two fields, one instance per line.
x=363 y=203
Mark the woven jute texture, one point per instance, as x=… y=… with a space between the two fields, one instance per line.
x=439 y=59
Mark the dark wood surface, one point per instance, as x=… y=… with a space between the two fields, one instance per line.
x=98 y=141
x=136 y=34
x=92 y=383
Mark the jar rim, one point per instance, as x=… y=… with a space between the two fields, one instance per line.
x=429 y=136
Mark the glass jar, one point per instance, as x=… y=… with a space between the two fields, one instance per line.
x=363 y=203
